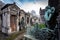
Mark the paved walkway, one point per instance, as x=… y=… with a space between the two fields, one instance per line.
x=3 y=36
x=20 y=37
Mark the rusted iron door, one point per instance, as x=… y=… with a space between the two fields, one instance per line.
x=13 y=22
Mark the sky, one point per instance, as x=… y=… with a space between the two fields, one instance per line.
x=29 y=5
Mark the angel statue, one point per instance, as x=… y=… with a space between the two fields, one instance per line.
x=49 y=12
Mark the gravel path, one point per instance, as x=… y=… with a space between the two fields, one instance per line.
x=20 y=37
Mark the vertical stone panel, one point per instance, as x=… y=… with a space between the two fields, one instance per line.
x=4 y=23
x=8 y=23
x=17 y=22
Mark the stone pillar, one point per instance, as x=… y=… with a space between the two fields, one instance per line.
x=18 y=19
x=18 y=23
x=8 y=23
x=26 y=19
x=4 y=23
x=29 y=20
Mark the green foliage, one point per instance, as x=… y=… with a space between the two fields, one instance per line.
x=41 y=26
x=40 y=32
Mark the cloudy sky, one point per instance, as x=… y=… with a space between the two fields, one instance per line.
x=29 y=5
